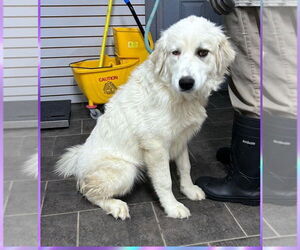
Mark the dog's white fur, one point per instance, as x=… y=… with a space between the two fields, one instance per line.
x=149 y=121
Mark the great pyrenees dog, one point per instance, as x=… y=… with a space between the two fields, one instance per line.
x=150 y=120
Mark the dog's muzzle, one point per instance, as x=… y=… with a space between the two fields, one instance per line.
x=186 y=83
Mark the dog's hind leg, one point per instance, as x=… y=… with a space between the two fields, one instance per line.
x=112 y=178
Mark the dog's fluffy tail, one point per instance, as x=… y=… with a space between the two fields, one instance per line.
x=30 y=168
x=67 y=164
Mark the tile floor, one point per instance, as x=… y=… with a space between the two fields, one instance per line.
x=70 y=220
x=20 y=191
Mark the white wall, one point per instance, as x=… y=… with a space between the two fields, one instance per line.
x=71 y=30
x=20 y=50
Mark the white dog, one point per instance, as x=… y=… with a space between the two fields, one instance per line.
x=150 y=119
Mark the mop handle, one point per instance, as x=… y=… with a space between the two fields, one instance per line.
x=107 y=21
x=128 y=3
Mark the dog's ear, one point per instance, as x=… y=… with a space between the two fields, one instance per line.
x=158 y=56
x=225 y=56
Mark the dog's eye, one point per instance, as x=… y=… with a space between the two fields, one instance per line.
x=202 y=52
x=176 y=52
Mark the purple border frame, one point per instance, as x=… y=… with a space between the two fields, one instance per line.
x=39 y=127
x=1 y=125
x=298 y=123
x=261 y=121
x=39 y=144
x=261 y=154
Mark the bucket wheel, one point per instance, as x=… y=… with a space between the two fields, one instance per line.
x=94 y=112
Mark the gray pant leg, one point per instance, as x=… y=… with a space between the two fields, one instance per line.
x=280 y=61
x=242 y=26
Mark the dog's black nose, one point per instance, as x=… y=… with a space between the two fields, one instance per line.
x=186 y=83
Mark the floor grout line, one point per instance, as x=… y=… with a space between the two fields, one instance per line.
x=222 y=240
x=235 y=219
x=43 y=198
x=218 y=241
x=65 y=179
x=25 y=214
x=158 y=224
x=52 y=151
x=77 y=233
x=21 y=180
x=64 y=135
x=279 y=236
x=92 y=209
x=192 y=154
x=269 y=225
x=73 y=212
x=8 y=195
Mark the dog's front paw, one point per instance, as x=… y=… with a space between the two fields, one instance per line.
x=119 y=210
x=178 y=210
x=193 y=192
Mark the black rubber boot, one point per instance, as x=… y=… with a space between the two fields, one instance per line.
x=280 y=160
x=242 y=184
x=223 y=155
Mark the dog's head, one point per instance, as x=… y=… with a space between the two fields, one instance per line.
x=193 y=56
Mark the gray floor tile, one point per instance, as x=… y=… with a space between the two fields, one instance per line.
x=210 y=104
x=211 y=130
x=62 y=197
x=220 y=99
x=277 y=217
x=29 y=145
x=214 y=169
x=99 y=229
x=74 y=129
x=20 y=132
x=210 y=221
x=12 y=146
x=88 y=125
x=43 y=189
x=244 y=242
x=63 y=142
x=79 y=111
x=207 y=149
x=48 y=167
x=144 y=192
x=47 y=146
x=247 y=216
x=200 y=245
x=220 y=115
x=267 y=231
x=290 y=241
x=22 y=198
x=13 y=168
x=20 y=230
x=7 y=185
x=59 y=230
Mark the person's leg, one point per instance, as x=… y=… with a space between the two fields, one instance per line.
x=280 y=105
x=242 y=27
x=242 y=182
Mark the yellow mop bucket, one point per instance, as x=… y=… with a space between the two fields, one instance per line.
x=99 y=79
x=98 y=84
